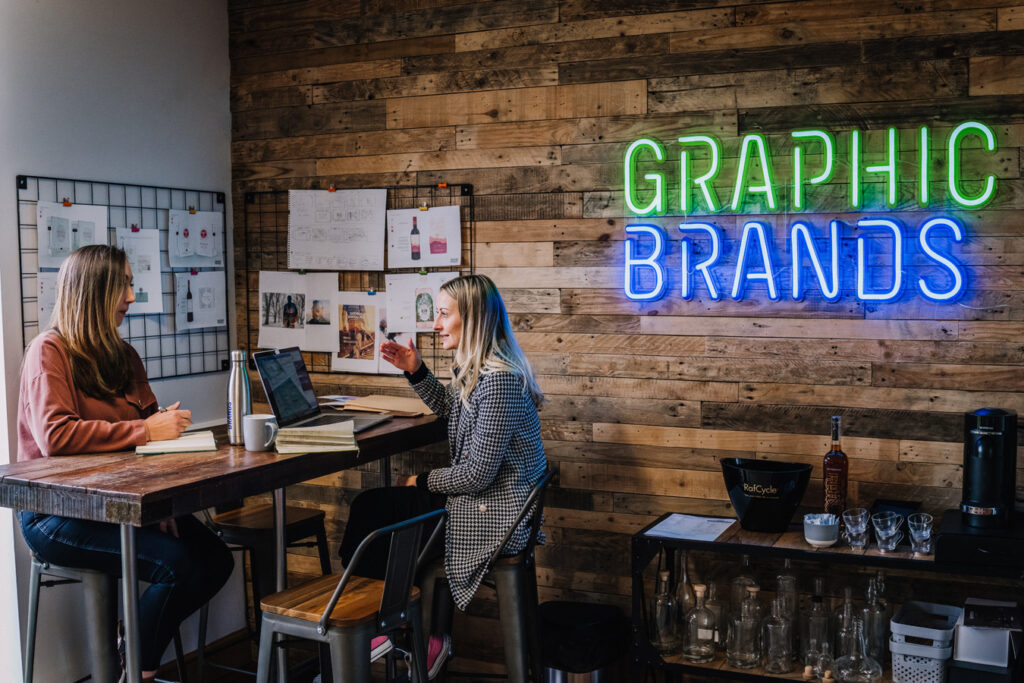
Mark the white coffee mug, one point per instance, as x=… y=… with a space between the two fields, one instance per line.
x=259 y=432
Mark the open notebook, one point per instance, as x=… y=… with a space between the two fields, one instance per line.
x=186 y=443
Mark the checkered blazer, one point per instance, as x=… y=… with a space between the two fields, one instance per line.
x=496 y=459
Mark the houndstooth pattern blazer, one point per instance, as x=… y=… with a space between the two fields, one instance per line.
x=497 y=457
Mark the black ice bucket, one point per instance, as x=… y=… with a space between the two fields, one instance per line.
x=765 y=493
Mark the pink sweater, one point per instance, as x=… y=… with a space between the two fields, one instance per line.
x=54 y=418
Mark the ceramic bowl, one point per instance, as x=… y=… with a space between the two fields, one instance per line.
x=821 y=530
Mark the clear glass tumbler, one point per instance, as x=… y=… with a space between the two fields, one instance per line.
x=887 y=529
x=920 y=526
x=856 y=521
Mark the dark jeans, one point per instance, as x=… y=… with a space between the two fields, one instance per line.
x=183 y=573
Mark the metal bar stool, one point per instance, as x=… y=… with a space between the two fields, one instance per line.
x=100 y=608
x=514 y=579
x=251 y=529
x=346 y=620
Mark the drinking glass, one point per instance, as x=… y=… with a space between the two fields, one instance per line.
x=887 y=529
x=920 y=526
x=856 y=520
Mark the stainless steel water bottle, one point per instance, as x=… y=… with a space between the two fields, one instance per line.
x=239 y=398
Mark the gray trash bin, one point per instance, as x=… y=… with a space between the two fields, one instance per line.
x=583 y=642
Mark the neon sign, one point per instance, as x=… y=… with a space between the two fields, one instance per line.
x=876 y=257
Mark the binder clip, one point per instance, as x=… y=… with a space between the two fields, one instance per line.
x=424 y=207
x=442 y=185
x=332 y=188
x=301 y=271
x=372 y=292
x=192 y=209
x=67 y=202
x=135 y=227
x=423 y=271
x=194 y=271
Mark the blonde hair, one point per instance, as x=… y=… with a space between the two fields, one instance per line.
x=90 y=288
x=487 y=343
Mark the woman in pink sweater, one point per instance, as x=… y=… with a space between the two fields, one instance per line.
x=85 y=390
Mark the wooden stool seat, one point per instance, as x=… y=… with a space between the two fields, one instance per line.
x=262 y=517
x=357 y=605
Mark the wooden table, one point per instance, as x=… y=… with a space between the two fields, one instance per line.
x=133 y=491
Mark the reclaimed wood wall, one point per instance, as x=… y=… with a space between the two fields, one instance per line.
x=534 y=103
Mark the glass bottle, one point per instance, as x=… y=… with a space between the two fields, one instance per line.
x=743 y=646
x=717 y=608
x=699 y=643
x=685 y=600
x=845 y=636
x=663 y=631
x=739 y=585
x=858 y=667
x=835 y=473
x=778 y=640
x=814 y=627
x=414 y=241
x=786 y=593
x=876 y=623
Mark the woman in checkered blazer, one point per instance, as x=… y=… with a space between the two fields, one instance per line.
x=493 y=429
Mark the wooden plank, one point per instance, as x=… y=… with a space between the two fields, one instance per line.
x=554 y=277
x=528 y=179
x=327 y=73
x=576 y=323
x=608 y=301
x=433 y=84
x=302 y=59
x=343 y=144
x=640 y=456
x=819 y=85
x=997 y=75
x=948 y=376
x=932 y=451
x=606 y=343
x=666 y=22
x=647 y=411
x=1011 y=18
x=649 y=480
x=524 y=104
x=967 y=352
x=537 y=206
x=990 y=331
x=827 y=30
x=345 y=117
x=548 y=230
x=531 y=300
x=724 y=369
x=387 y=163
x=594 y=130
x=633 y=388
x=876 y=422
x=879 y=398
x=788 y=327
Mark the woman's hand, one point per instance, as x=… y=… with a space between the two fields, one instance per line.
x=402 y=357
x=168 y=423
x=410 y=480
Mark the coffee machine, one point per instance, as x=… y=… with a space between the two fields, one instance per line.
x=985 y=528
x=990 y=468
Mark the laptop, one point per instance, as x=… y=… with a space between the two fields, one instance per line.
x=290 y=392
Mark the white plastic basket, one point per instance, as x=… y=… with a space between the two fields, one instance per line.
x=918 y=663
x=941 y=619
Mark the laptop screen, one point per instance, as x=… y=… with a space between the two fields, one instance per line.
x=287 y=385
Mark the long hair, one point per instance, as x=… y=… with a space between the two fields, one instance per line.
x=487 y=343
x=90 y=287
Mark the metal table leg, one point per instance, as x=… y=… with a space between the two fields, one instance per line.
x=281 y=559
x=130 y=586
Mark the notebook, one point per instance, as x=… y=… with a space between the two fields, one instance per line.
x=290 y=393
x=186 y=443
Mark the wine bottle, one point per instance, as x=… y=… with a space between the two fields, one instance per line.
x=188 y=303
x=414 y=240
x=835 y=472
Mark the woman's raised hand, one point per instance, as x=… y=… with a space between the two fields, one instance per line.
x=168 y=423
x=402 y=357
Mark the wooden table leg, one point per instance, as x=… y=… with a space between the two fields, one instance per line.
x=130 y=587
x=280 y=556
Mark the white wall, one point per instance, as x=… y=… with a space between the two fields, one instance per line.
x=115 y=90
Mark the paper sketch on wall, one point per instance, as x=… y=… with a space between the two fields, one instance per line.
x=46 y=297
x=195 y=240
x=143 y=250
x=62 y=229
x=358 y=333
x=342 y=230
x=402 y=338
x=411 y=300
x=298 y=310
x=199 y=300
x=424 y=238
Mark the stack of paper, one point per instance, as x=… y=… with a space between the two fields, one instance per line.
x=399 y=406
x=319 y=439
x=186 y=443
